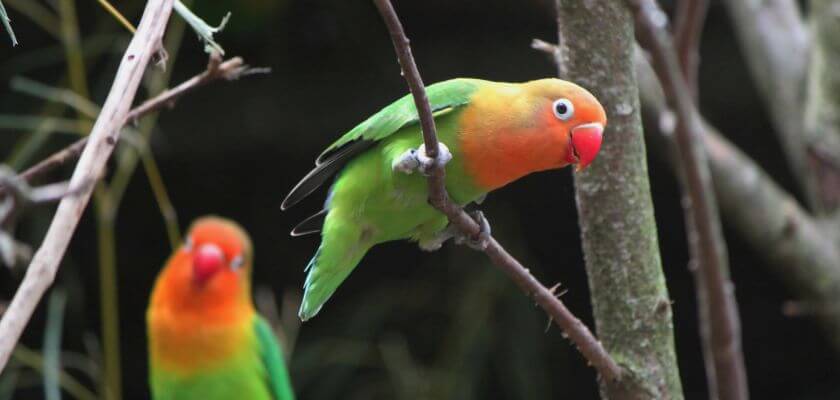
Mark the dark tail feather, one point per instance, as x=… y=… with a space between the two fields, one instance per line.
x=313 y=224
x=328 y=164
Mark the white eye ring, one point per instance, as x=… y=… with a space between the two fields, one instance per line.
x=563 y=109
x=188 y=244
x=237 y=262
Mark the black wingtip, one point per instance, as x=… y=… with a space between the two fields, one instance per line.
x=311 y=225
x=327 y=165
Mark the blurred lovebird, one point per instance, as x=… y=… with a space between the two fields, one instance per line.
x=206 y=341
x=491 y=134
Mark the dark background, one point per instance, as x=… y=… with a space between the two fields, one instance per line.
x=406 y=324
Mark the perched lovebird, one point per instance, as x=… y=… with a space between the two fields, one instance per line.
x=491 y=134
x=206 y=341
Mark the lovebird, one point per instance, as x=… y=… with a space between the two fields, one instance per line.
x=206 y=341
x=491 y=134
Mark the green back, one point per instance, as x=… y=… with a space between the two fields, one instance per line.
x=401 y=113
x=442 y=95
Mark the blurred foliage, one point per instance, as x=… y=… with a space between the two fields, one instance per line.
x=406 y=324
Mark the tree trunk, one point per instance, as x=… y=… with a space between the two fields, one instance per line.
x=629 y=297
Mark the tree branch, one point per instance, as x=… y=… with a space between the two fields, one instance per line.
x=216 y=69
x=798 y=249
x=577 y=332
x=719 y=321
x=688 y=29
x=41 y=272
x=775 y=42
x=821 y=134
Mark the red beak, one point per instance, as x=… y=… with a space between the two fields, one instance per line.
x=586 y=142
x=207 y=260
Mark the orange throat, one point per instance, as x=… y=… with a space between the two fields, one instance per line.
x=193 y=329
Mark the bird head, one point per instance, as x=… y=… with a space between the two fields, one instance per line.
x=571 y=115
x=216 y=254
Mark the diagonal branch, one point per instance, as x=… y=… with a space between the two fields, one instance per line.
x=42 y=270
x=719 y=321
x=216 y=69
x=775 y=42
x=770 y=219
x=577 y=332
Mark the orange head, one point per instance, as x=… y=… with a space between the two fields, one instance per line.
x=511 y=130
x=212 y=267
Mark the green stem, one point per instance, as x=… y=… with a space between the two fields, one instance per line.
x=52 y=344
x=109 y=297
x=167 y=210
x=32 y=359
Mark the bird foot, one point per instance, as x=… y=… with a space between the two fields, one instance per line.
x=435 y=243
x=480 y=241
x=417 y=160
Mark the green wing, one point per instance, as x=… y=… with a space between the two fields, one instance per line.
x=272 y=357
x=443 y=95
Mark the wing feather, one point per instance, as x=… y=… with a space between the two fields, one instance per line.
x=444 y=95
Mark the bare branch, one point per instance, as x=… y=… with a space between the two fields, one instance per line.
x=775 y=42
x=577 y=332
x=228 y=70
x=688 y=28
x=821 y=134
x=798 y=249
x=41 y=272
x=719 y=321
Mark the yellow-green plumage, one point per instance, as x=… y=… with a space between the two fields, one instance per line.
x=206 y=341
x=496 y=132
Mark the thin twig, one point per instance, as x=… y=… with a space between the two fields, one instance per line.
x=7 y=24
x=229 y=70
x=688 y=28
x=21 y=195
x=37 y=13
x=720 y=324
x=577 y=332
x=795 y=245
x=74 y=388
x=117 y=15
x=41 y=272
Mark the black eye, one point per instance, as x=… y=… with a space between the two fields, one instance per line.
x=237 y=262
x=563 y=109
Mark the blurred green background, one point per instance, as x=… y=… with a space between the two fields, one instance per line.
x=406 y=324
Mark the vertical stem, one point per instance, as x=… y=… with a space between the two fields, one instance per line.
x=73 y=47
x=108 y=293
x=52 y=344
x=629 y=297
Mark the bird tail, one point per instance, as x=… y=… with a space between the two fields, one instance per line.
x=342 y=248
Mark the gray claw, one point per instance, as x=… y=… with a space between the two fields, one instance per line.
x=483 y=239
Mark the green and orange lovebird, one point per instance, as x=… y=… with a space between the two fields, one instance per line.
x=491 y=134
x=206 y=341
